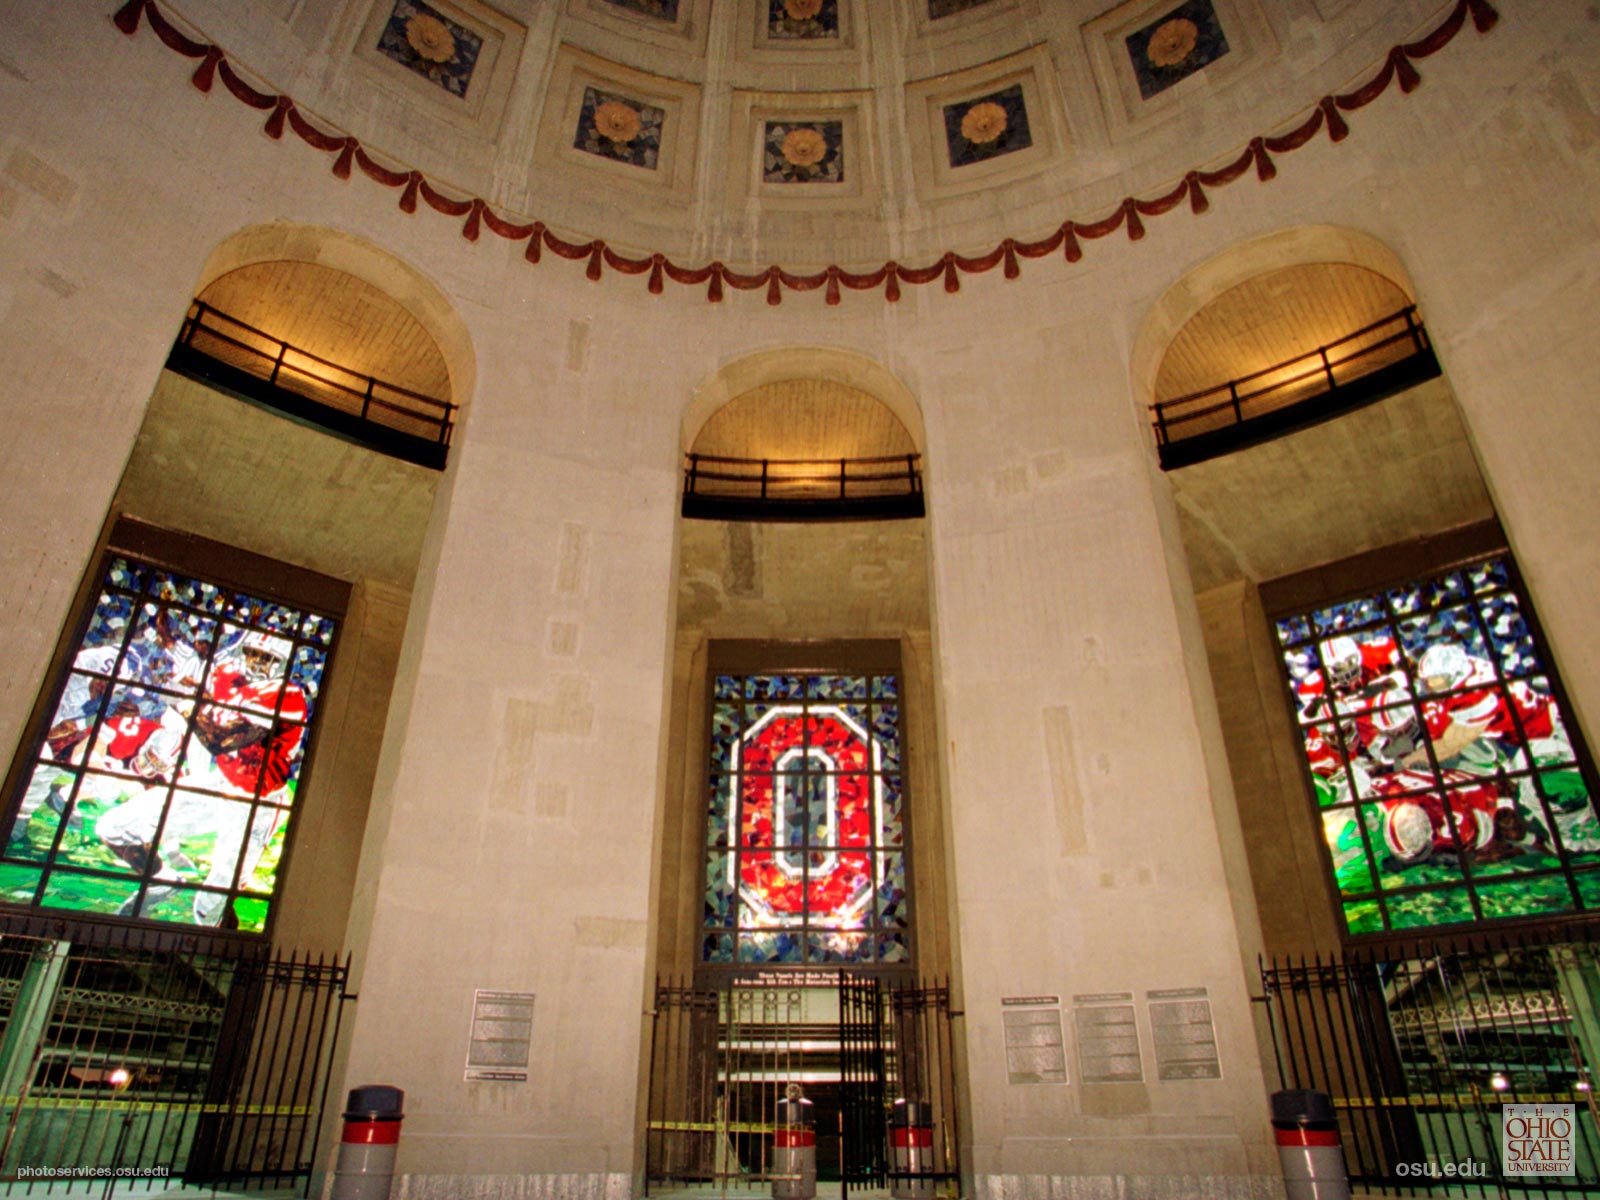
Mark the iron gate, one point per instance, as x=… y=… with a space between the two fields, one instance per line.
x=721 y=1056
x=149 y=1063
x=1422 y=1052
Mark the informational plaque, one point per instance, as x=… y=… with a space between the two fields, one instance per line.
x=1035 y=1050
x=1108 y=1038
x=1185 y=1037
x=502 y=1030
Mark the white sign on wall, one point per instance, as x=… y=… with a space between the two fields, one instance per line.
x=502 y=1030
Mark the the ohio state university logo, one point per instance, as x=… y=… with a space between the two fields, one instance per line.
x=809 y=805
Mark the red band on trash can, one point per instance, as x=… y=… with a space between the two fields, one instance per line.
x=1308 y=1137
x=912 y=1136
x=371 y=1133
x=794 y=1137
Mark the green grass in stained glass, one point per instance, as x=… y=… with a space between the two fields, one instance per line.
x=1446 y=906
x=1537 y=897
x=1363 y=916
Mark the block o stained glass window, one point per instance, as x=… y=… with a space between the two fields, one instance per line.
x=164 y=783
x=1450 y=785
x=805 y=835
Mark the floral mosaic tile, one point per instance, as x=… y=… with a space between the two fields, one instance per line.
x=620 y=128
x=665 y=10
x=802 y=20
x=948 y=8
x=985 y=128
x=803 y=152
x=431 y=44
x=1174 y=46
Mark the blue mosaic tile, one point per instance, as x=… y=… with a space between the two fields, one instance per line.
x=421 y=38
x=125 y=575
x=802 y=20
x=620 y=128
x=988 y=127
x=1175 y=45
x=803 y=152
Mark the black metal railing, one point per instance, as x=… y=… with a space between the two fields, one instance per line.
x=1422 y=1051
x=1385 y=342
x=716 y=485
x=722 y=1057
x=158 y=1064
x=362 y=398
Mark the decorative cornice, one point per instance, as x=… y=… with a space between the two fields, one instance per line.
x=283 y=113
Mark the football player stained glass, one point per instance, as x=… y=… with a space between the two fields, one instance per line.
x=163 y=786
x=1450 y=783
x=806 y=861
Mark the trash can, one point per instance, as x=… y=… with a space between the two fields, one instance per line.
x=910 y=1150
x=365 y=1169
x=1307 y=1133
x=794 y=1148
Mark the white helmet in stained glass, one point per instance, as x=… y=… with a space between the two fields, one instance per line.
x=264 y=656
x=1341 y=658
x=1444 y=665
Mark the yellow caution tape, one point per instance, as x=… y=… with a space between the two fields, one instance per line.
x=155 y=1106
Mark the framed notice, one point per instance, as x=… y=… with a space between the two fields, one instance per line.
x=1035 y=1049
x=502 y=1029
x=1108 y=1038
x=1184 y=1035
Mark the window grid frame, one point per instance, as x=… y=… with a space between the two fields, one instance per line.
x=234 y=575
x=726 y=781
x=1377 y=578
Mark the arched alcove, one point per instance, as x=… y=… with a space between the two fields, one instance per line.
x=391 y=278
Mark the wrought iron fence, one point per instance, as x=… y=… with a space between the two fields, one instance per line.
x=160 y=1064
x=1385 y=342
x=1422 y=1052
x=795 y=488
x=367 y=399
x=721 y=1057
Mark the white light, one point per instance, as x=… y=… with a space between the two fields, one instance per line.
x=1499 y=1082
x=119 y=1077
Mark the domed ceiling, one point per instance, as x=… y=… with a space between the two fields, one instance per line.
x=810 y=132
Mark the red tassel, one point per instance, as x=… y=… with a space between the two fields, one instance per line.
x=714 y=290
x=1337 y=129
x=1198 y=203
x=1407 y=74
x=832 y=294
x=341 y=165
x=408 y=198
x=535 y=243
x=657 y=285
x=1069 y=242
x=891 y=287
x=127 y=17
x=280 y=113
x=774 y=288
x=1135 y=226
x=473 y=226
x=952 y=281
x=1483 y=15
x=206 y=73
x=1012 y=268
x=596 y=254
x=1264 y=167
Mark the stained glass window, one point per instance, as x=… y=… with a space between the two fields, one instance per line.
x=806 y=822
x=163 y=786
x=1450 y=784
